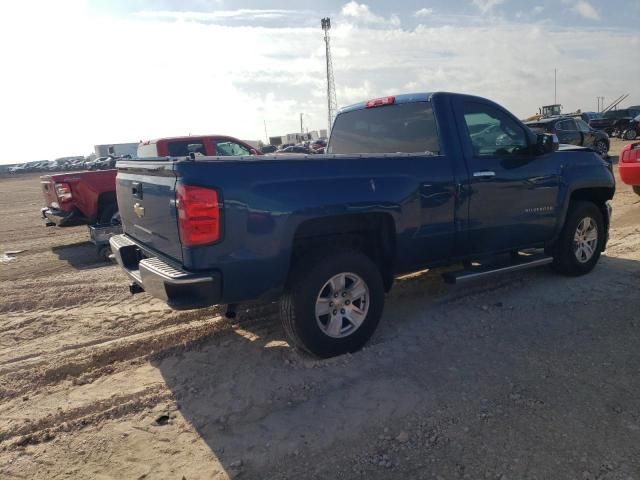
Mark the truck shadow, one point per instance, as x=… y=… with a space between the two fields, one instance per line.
x=253 y=399
x=80 y=255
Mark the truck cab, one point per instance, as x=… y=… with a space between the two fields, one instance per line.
x=202 y=145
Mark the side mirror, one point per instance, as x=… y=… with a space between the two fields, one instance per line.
x=547 y=143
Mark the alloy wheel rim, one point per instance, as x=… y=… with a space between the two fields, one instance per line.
x=585 y=240
x=342 y=305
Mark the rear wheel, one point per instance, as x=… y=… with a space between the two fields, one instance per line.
x=104 y=253
x=334 y=303
x=630 y=134
x=109 y=215
x=578 y=248
x=601 y=147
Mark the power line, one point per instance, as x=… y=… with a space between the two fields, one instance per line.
x=332 y=102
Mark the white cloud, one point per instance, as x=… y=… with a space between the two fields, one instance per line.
x=74 y=83
x=538 y=9
x=244 y=14
x=487 y=5
x=362 y=13
x=423 y=12
x=585 y=9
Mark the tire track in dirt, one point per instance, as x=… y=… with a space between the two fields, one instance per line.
x=85 y=362
x=44 y=428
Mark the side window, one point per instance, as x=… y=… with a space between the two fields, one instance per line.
x=230 y=149
x=567 y=126
x=582 y=126
x=493 y=132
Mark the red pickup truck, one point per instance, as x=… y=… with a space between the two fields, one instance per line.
x=80 y=198
x=86 y=198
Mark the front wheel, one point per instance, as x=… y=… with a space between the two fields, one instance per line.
x=630 y=134
x=334 y=303
x=578 y=248
x=636 y=188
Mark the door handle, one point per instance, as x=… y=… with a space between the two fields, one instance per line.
x=484 y=174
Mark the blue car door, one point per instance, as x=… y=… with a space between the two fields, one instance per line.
x=512 y=190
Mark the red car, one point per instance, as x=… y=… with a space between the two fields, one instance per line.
x=630 y=166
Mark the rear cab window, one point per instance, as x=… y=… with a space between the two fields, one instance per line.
x=182 y=148
x=399 y=128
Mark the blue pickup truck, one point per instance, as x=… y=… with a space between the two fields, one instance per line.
x=408 y=182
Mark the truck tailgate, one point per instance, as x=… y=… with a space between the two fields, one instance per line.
x=146 y=199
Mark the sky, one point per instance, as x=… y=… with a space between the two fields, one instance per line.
x=76 y=73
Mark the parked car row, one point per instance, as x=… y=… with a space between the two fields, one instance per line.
x=619 y=123
x=306 y=148
x=627 y=128
x=61 y=164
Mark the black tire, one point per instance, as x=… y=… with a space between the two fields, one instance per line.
x=104 y=252
x=107 y=213
x=630 y=134
x=636 y=188
x=297 y=306
x=601 y=147
x=565 y=260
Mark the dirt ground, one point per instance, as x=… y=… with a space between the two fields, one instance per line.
x=528 y=376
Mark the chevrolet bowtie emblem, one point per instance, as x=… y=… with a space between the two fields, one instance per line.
x=139 y=210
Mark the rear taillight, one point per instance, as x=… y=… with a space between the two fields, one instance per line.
x=630 y=154
x=198 y=215
x=63 y=192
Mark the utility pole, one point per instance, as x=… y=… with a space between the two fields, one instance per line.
x=555 y=86
x=265 y=131
x=332 y=102
x=301 y=129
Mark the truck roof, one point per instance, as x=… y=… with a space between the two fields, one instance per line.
x=404 y=98
x=415 y=97
x=184 y=137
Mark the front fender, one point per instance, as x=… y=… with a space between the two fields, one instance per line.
x=585 y=178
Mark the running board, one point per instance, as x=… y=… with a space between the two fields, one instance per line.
x=521 y=262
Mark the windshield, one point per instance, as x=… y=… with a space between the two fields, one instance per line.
x=401 y=128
